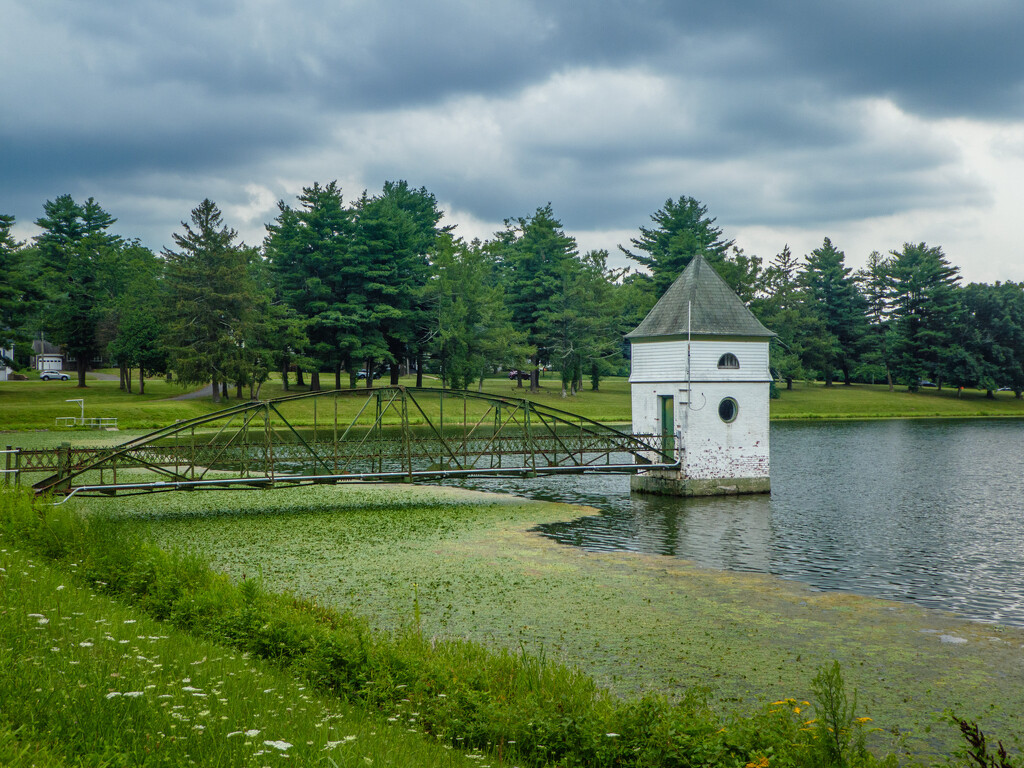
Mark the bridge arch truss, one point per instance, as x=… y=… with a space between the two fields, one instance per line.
x=390 y=433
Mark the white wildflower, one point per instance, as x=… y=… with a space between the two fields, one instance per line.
x=278 y=744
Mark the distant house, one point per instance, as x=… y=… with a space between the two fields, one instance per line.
x=5 y=368
x=46 y=356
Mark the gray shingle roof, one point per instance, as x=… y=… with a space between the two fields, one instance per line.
x=716 y=310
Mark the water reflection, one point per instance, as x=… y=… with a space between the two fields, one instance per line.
x=926 y=511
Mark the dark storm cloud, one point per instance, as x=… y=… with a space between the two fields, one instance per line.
x=760 y=108
x=948 y=57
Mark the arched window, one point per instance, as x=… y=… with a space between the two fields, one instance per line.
x=728 y=360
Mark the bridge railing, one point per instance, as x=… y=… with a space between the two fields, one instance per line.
x=11 y=473
x=356 y=434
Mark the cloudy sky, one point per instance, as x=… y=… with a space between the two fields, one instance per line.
x=873 y=123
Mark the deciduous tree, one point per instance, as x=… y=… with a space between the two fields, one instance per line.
x=471 y=331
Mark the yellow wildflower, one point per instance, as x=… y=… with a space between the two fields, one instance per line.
x=761 y=762
x=863 y=719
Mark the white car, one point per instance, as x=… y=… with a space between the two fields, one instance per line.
x=47 y=375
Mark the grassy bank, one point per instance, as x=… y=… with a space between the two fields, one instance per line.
x=33 y=405
x=866 y=401
x=468 y=566
x=94 y=682
x=86 y=680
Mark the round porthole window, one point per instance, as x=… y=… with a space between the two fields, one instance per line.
x=728 y=410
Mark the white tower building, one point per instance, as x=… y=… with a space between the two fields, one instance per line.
x=699 y=377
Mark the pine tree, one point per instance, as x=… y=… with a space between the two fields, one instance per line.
x=537 y=260
x=75 y=247
x=399 y=230
x=19 y=291
x=834 y=293
x=875 y=284
x=925 y=309
x=209 y=296
x=803 y=346
x=683 y=230
x=311 y=250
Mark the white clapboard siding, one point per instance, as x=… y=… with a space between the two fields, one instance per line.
x=654 y=361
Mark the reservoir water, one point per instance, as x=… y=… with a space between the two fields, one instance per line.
x=930 y=512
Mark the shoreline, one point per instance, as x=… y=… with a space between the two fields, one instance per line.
x=812 y=418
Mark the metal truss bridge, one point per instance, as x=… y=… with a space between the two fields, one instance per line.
x=385 y=434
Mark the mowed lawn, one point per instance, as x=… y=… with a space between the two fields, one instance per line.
x=34 y=405
x=813 y=400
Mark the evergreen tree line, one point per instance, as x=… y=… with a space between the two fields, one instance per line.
x=379 y=285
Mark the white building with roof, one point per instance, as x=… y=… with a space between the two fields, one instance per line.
x=5 y=369
x=699 y=378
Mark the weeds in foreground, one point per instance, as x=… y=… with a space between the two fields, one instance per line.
x=977 y=749
x=840 y=739
x=86 y=681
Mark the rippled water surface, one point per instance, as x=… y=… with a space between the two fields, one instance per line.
x=926 y=511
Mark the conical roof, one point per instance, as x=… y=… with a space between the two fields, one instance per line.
x=715 y=309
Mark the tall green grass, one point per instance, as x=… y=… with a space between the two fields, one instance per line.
x=89 y=681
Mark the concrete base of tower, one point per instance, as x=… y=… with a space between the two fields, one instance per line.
x=676 y=484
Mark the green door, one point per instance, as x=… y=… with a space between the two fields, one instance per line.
x=668 y=424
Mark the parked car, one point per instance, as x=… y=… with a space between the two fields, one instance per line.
x=362 y=374
x=513 y=375
x=926 y=383
x=48 y=375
